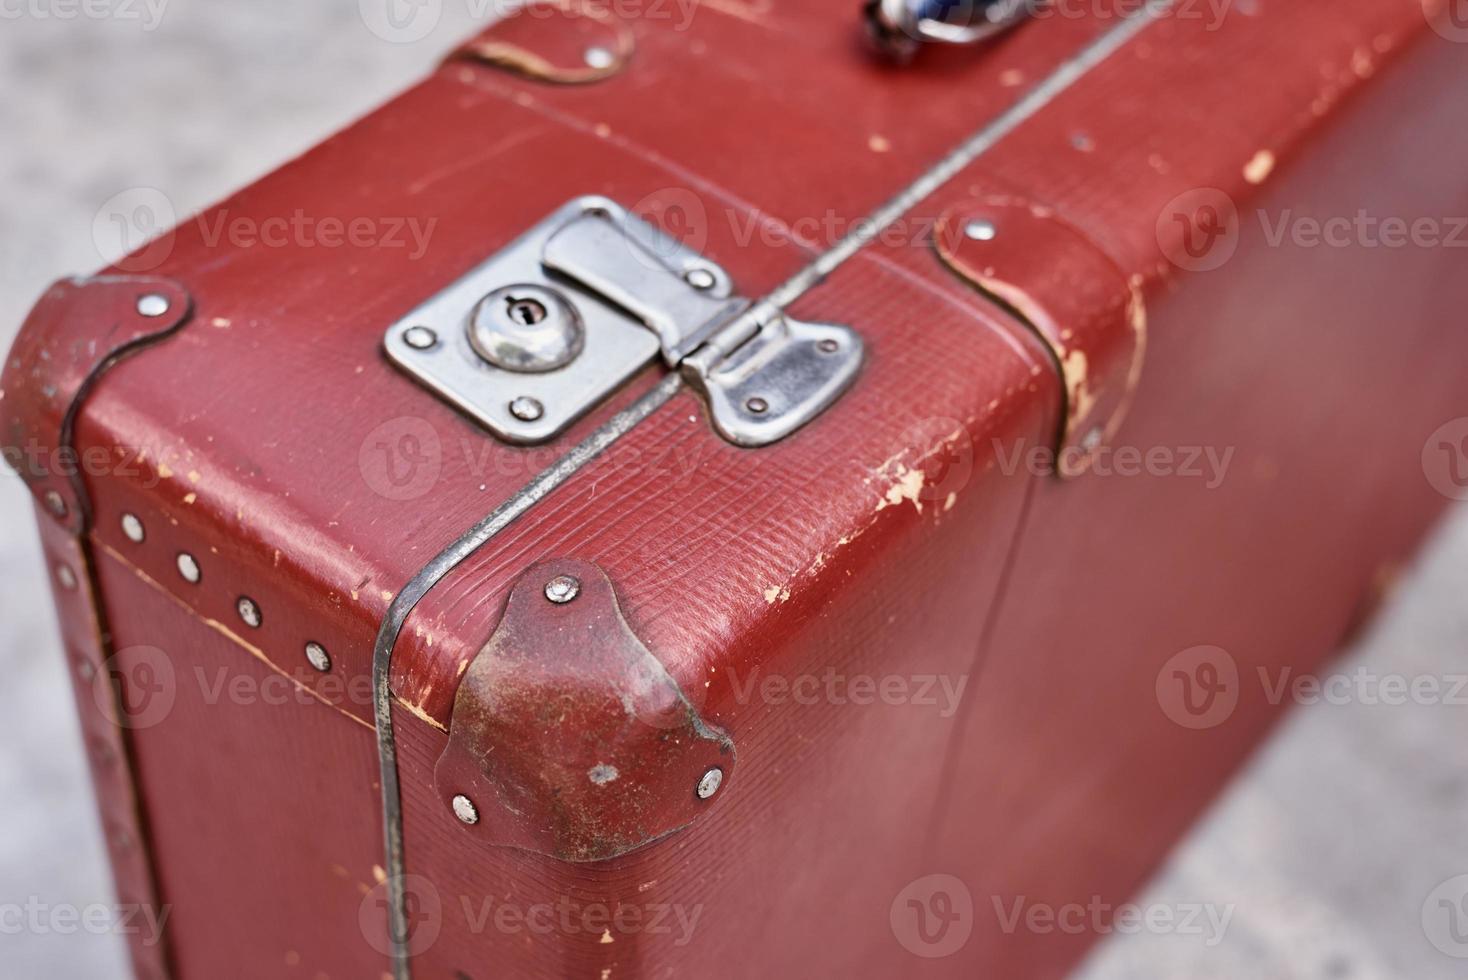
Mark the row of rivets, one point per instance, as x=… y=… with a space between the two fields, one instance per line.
x=188 y=568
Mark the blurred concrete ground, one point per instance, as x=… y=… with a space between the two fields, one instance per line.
x=1328 y=847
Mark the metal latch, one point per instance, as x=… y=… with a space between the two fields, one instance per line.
x=540 y=333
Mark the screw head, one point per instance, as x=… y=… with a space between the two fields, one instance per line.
x=710 y=783
x=465 y=810
x=980 y=230
x=757 y=405
x=829 y=346
x=317 y=656
x=562 y=589
x=133 y=528
x=189 y=568
x=701 y=279
x=249 y=611
x=66 y=577
x=55 y=503
x=420 y=338
x=526 y=409
x=599 y=58
x=153 y=305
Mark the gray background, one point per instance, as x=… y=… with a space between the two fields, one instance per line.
x=1327 y=847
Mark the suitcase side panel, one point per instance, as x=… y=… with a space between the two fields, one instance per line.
x=1321 y=373
x=266 y=835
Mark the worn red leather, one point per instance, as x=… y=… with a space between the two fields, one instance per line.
x=918 y=533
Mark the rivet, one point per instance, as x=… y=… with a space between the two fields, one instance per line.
x=701 y=279
x=133 y=528
x=66 y=577
x=980 y=230
x=599 y=58
x=318 y=657
x=420 y=338
x=829 y=346
x=153 y=305
x=249 y=612
x=465 y=810
x=562 y=589
x=710 y=783
x=189 y=568
x=55 y=503
x=526 y=409
x=86 y=669
x=757 y=405
x=1093 y=439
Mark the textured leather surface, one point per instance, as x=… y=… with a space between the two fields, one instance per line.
x=853 y=546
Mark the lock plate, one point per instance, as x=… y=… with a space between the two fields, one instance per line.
x=536 y=336
x=614 y=347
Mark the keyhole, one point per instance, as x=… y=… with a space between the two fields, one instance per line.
x=526 y=312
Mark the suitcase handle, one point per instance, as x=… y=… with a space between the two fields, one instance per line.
x=899 y=28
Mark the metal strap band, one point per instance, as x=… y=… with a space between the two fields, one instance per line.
x=397 y=614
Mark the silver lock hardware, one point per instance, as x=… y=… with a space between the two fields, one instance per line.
x=899 y=28
x=526 y=328
x=540 y=333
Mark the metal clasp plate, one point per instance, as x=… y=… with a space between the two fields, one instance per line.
x=540 y=333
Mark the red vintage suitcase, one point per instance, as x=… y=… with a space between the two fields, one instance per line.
x=682 y=497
